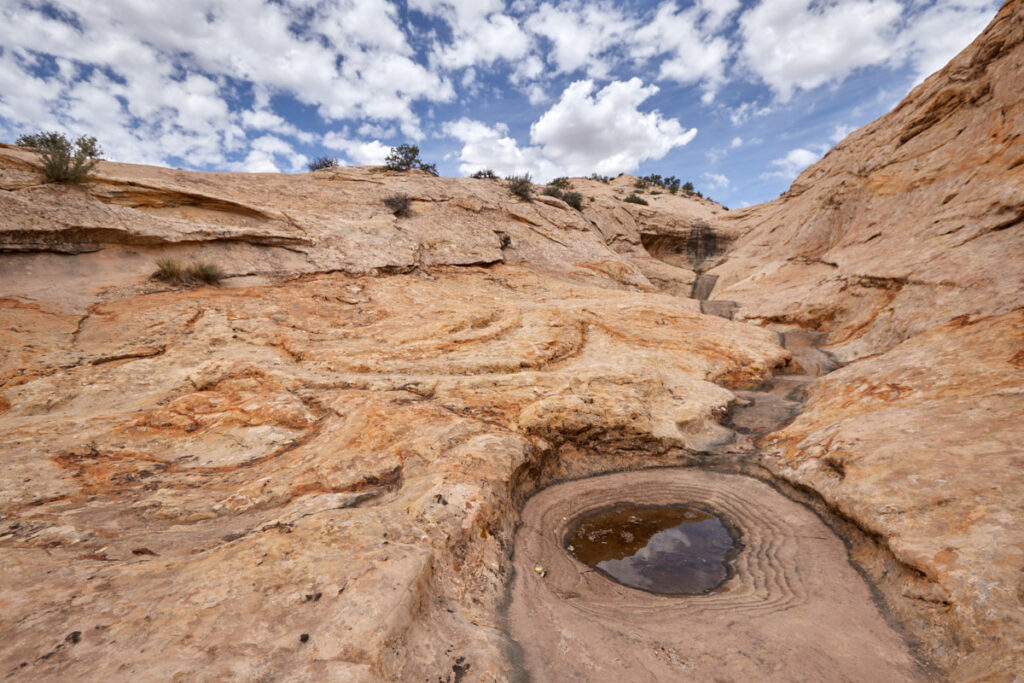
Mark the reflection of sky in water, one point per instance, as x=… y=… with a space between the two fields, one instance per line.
x=688 y=558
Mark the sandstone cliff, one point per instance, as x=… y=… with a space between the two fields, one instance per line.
x=315 y=469
x=905 y=244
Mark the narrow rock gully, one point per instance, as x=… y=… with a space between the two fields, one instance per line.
x=698 y=573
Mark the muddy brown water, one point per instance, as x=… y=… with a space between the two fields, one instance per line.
x=673 y=550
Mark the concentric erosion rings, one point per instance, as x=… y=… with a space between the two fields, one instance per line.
x=793 y=608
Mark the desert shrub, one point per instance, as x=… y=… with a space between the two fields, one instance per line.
x=399 y=204
x=688 y=187
x=573 y=199
x=600 y=178
x=641 y=183
x=561 y=183
x=635 y=199
x=484 y=174
x=552 y=191
x=322 y=162
x=175 y=273
x=205 y=272
x=64 y=161
x=506 y=240
x=520 y=185
x=168 y=270
x=406 y=157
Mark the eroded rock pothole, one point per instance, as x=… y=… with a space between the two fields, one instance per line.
x=792 y=608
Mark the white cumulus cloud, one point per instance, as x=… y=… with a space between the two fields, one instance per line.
x=794 y=44
x=802 y=44
x=791 y=165
x=584 y=132
x=492 y=147
x=717 y=181
x=360 y=152
x=692 y=53
x=162 y=81
x=481 y=32
x=581 y=35
x=605 y=132
x=270 y=154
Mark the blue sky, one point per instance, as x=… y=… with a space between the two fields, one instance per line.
x=736 y=96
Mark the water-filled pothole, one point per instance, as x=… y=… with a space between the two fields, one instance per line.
x=675 y=550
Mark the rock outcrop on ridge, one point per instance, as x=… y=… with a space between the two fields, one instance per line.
x=315 y=470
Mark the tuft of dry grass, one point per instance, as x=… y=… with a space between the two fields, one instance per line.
x=399 y=204
x=168 y=270
x=173 y=272
x=208 y=273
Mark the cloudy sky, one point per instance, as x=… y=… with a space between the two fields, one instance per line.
x=735 y=96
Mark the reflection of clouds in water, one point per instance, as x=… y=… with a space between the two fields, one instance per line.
x=685 y=558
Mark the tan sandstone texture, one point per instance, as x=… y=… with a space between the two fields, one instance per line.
x=794 y=611
x=905 y=244
x=315 y=471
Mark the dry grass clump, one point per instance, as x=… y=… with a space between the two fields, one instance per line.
x=399 y=204
x=175 y=273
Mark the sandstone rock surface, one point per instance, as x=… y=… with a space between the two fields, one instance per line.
x=905 y=245
x=316 y=469
x=794 y=610
x=312 y=471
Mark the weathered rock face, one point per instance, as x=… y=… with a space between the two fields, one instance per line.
x=909 y=222
x=905 y=244
x=194 y=479
x=316 y=469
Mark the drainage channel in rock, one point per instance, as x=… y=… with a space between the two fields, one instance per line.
x=702 y=288
x=672 y=550
x=791 y=607
x=773 y=405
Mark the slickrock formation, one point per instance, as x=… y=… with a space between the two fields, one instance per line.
x=332 y=444
x=905 y=244
x=315 y=470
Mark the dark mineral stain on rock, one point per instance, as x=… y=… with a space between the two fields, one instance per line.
x=674 y=550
